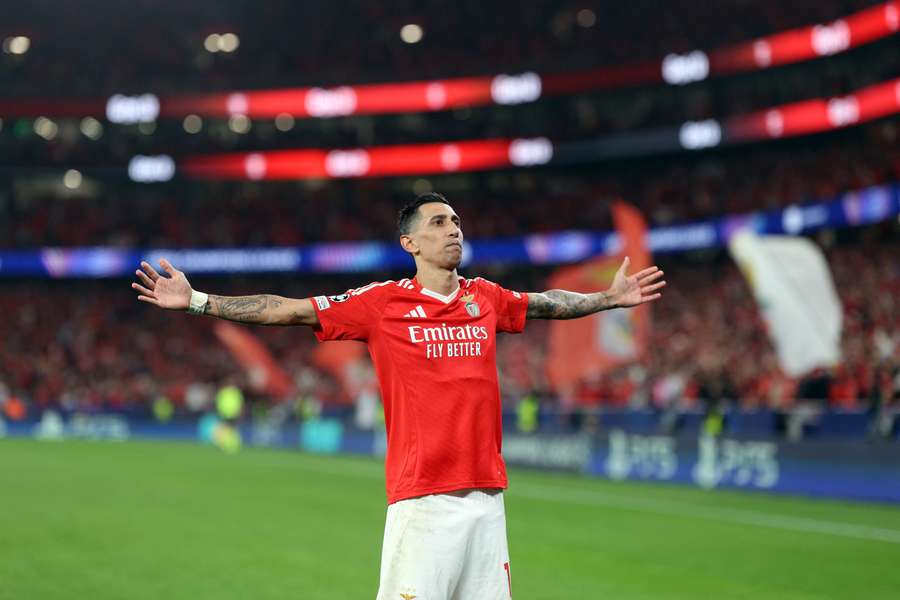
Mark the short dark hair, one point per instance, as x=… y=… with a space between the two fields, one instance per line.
x=409 y=213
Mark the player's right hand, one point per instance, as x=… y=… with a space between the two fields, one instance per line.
x=172 y=292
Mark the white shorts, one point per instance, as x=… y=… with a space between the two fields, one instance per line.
x=446 y=547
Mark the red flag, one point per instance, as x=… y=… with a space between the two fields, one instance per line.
x=593 y=345
x=339 y=358
x=632 y=228
x=264 y=373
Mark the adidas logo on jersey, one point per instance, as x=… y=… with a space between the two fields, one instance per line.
x=417 y=312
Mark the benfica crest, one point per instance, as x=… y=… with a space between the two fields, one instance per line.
x=471 y=306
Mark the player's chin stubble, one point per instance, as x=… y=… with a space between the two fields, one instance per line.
x=454 y=257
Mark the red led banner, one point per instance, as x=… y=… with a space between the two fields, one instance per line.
x=800 y=118
x=792 y=46
x=807 y=43
x=796 y=45
x=814 y=116
x=411 y=159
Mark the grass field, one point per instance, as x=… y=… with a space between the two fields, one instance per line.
x=164 y=520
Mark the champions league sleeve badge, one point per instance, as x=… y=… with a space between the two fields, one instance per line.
x=471 y=306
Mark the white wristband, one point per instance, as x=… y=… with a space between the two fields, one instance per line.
x=198 y=302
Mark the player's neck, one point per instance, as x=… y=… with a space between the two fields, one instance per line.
x=438 y=280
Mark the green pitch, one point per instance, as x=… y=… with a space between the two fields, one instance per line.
x=160 y=520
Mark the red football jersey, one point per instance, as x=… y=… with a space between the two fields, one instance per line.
x=435 y=357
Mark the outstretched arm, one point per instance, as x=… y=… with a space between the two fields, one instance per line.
x=262 y=309
x=625 y=291
x=173 y=292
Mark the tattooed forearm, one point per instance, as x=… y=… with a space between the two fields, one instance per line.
x=560 y=304
x=260 y=309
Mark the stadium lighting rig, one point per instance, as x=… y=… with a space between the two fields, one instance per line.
x=222 y=42
x=18 y=44
x=411 y=33
x=91 y=128
x=586 y=18
x=72 y=179
x=192 y=124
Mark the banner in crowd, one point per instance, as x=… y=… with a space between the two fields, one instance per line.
x=263 y=371
x=344 y=360
x=792 y=284
x=593 y=345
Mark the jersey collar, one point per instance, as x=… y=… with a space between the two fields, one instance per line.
x=436 y=295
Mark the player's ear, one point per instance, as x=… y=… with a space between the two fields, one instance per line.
x=407 y=243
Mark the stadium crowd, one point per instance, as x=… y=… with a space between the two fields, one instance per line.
x=91 y=345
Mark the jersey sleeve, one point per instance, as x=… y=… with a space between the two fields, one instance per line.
x=511 y=307
x=348 y=316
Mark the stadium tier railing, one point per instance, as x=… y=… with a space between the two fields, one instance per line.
x=860 y=207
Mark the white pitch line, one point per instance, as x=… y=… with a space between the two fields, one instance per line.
x=696 y=511
x=662 y=507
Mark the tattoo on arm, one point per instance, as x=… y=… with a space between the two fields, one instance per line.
x=560 y=304
x=259 y=309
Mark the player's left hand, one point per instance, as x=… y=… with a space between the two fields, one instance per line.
x=172 y=292
x=632 y=290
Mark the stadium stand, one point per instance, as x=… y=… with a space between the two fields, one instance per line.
x=289 y=42
x=90 y=345
x=667 y=190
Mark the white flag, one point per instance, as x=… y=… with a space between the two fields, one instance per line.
x=793 y=287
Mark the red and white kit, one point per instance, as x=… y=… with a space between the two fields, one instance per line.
x=435 y=357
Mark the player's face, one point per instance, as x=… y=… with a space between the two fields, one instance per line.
x=438 y=236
